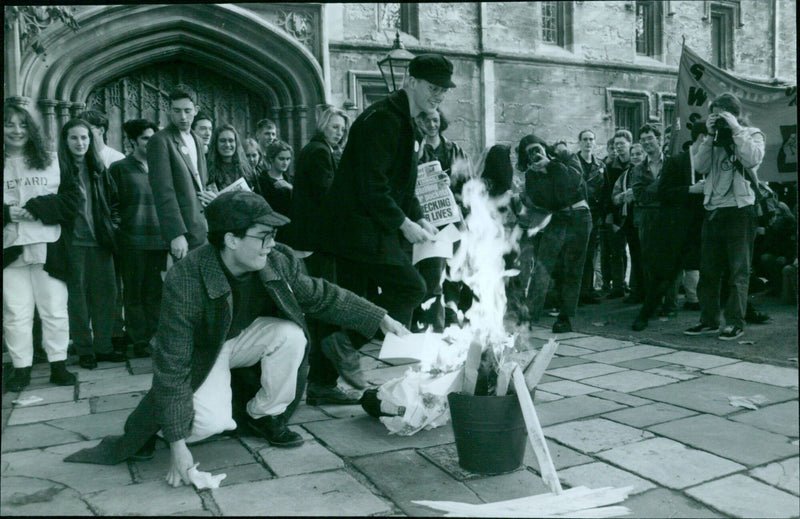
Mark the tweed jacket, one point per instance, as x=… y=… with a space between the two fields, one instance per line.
x=175 y=188
x=196 y=314
x=373 y=190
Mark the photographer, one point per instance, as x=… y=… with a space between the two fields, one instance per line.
x=729 y=160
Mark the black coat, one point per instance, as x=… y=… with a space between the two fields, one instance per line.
x=373 y=190
x=314 y=172
x=681 y=212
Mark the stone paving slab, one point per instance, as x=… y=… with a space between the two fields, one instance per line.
x=629 y=381
x=539 y=332
x=79 y=476
x=623 y=354
x=779 y=418
x=563 y=457
x=150 y=498
x=35 y=436
x=220 y=453
x=661 y=503
x=333 y=493
x=307 y=413
x=39 y=497
x=564 y=362
x=675 y=371
x=43 y=413
x=581 y=371
x=669 y=463
x=140 y=366
x=573 y=408
x=116 y=385
x=735 y=496
x=710 y=394
x=595 y=434
x=366 y=435
x=782 y=474
x=49 y=395
x=446 y=458
x=567 y=388
x=103 y=404
x=244 y=474
x=544 y=396
x=735 y=441
x=599 y=475
x=598 y=343
x=309 y=457
x=93 y=375
x=342 y=411
x=764 y=373
x=412 y=478
x=651 y=414
x=641 y=364
x=622 y=398
x=565 y=350
x=95 y=426
x=696 y=360
x=520 y=483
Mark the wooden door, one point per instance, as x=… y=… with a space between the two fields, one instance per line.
x=144 y=94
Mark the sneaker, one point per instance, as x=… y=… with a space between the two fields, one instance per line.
x=59 y=374
x=562 y=325
x=730 y=333
x=274 y=430
x=320 y=395
x=19 y=380
x=691 y=305
x=701 y=329
x=345 y=358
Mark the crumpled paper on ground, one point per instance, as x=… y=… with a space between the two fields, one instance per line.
x=424 y=396
x=202 y=480
x=749 y=402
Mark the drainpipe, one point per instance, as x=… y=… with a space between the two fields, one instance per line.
x=775 y=21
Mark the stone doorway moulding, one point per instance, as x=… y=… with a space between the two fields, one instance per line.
x=115 y=40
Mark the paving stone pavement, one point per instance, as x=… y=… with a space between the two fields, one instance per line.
x=615 y=413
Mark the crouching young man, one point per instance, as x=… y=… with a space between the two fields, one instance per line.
x=234 y=302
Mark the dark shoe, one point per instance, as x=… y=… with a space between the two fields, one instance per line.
x=19 y=380
x=689 y=305
x=320 y=395
x=274 y=430
x=141 y=350
x=345 y=358
x=121 y=343
x=730 y=333
x=562 y=325
x=114 y=356
x=701 y=329
x=59 y=374
x=756 y=317
x=639 y=325
x=147 y=451
x=616 y=293
x=88 y=361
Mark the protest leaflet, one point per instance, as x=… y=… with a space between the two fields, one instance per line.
x=239 y=185
x=433 y=191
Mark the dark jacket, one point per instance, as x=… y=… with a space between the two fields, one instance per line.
x=60 y=208
x=558 y=187
x=613 y=171
x=594 y=176
x=194 y=322
x=314 y=173
x=644 y=184
x=174 y=186
x=105 y=205
x=139 y=227
x=681 y=213
x=373 y=190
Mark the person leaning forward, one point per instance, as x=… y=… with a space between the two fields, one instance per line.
x=234 y=302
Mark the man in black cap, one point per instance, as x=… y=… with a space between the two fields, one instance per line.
x=372 y=215
x=237 y=301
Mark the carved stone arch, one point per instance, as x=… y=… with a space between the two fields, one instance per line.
x=114 y=40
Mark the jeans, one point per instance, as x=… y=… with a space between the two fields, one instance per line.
x=636 y=283
x=587 y=285
x=562 y=246
x=141 y=275
x=92 y=299
x=612 y=246
x=727 y=238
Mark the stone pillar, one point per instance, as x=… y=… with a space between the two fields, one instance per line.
x=274 y=114
x=20 y=101
x=12 y=59
x=48 y=107
x=63 y=113
x=76 y=108
x=487 y=98
x=287 y=128
x=301 y=118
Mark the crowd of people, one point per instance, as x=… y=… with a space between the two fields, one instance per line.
x=177 y=242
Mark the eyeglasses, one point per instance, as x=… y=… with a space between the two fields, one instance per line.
x=436 y=90
x=264 y=239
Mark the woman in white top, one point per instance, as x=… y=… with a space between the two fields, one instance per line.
x=39 y=205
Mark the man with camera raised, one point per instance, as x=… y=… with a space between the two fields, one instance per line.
x=729 y=157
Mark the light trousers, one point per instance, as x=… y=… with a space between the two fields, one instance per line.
x=280 y=346
x=24 y=288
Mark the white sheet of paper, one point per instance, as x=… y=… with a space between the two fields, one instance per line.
x=421 y=346
x=449 y=234
x=431 y=249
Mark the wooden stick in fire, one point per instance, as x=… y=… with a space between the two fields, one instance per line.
x=534 y=373
x=471 y=368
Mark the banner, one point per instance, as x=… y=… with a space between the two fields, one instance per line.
x=771 y=109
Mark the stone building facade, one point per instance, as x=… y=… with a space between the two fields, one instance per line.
x=552 y=67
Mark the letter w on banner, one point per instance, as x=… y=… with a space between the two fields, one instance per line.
x=772 y=109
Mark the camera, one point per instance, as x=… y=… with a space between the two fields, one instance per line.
x=723 y=136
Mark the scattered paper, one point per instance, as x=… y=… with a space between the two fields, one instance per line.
x=423 y=398
x=598 y=323
x=202 y=480
x=239 y=185
x=749 y=402
x=747 y=342
x=28 y=400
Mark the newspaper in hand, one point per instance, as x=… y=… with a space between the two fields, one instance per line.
x=434 y=195
x=239 y=185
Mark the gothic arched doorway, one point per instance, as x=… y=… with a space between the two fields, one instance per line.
x=143 y=93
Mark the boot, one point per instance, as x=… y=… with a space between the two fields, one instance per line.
x=20 y=378
x=59 y=374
